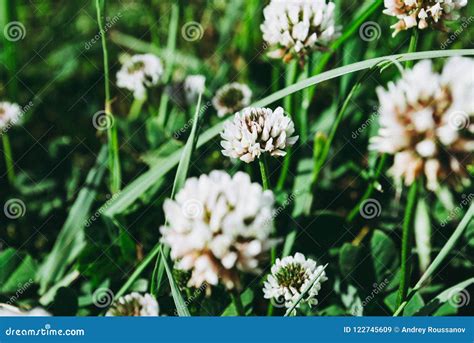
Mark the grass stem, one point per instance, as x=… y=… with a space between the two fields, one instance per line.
x=112 y=134
x=7 y=152
x=263 y=172
x=408 y=222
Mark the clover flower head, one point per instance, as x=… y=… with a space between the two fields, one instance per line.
x=217 y=226
x=426 y=122
x=193 y=86
x=231 y=97
x=290 y=277
x=139 y=72
x=422 y=13
x=255 y=131
x=134 y=305
x=294 y=28
x=10 y=114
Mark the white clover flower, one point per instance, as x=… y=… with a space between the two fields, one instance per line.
x=422 y=13
x=297 y=27
x=218 y=226
x=12 y=311
x=138 y=73
x=290 y=277
x=134 y=305
x=10 y=114
x=426 y=122
x=193 y=86
x=254 y=131
x=231 y=98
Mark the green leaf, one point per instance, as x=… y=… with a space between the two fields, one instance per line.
x=71 y=241
x=348 y=258
x=16 y=270
x=384 y=255
x=301 y=188
x=414 y=305
x=247 y=299
x=289 y=243
x=179 y=302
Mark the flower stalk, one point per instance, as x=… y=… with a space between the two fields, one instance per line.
x=407 y=238
x=112 y=135
x=7 y=152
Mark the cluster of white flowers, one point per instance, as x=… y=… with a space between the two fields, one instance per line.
x=254 y=131
x=422 y=13
x=231 y=97
x=193 y=86
x=134 y=305
x=290 y=277
x=217 y=226
x=427 y=123
x=297 y=27
x=10 y=114
x=12 y=311
x=139 y=72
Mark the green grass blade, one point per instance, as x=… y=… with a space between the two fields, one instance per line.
x=112 y=134
x=407 y=238
x=447 y=248
x=71 y=238
x=179 y=302
x=306 y=290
